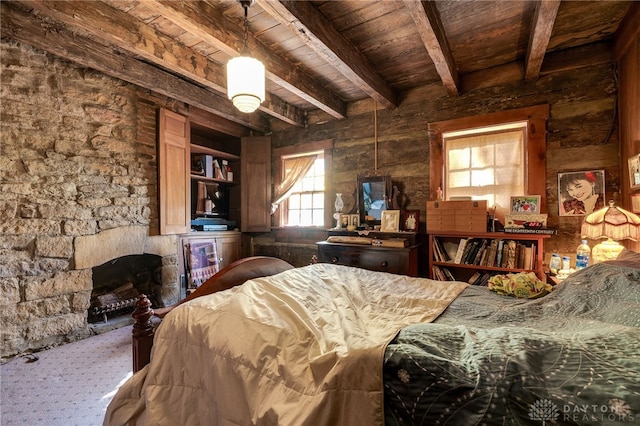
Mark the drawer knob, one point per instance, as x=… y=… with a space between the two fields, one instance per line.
x=334 y=259
x=384 y=263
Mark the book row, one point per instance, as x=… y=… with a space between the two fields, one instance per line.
x=477 y=278
x=500 y=253
x=208 y=166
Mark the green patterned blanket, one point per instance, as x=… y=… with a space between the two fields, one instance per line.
x=572 y=357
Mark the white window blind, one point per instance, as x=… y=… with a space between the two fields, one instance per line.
x=486 y=164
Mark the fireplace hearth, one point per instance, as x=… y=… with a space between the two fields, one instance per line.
x=118 y=283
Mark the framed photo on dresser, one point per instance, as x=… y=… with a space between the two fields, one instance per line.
x=390 y=221
x=410 y=220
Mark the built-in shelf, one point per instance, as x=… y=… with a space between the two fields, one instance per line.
x=199 y=149
x=212 y=180
x=462 y=271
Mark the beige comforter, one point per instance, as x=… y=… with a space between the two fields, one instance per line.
x=304 y=347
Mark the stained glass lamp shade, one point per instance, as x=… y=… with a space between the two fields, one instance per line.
x=614 y=224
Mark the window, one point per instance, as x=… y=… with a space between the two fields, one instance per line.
x=486 y=164
x=491 y=157
x=303 y=180
x=305 y=204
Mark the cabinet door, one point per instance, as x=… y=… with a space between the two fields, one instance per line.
x=255 y=160
x=173 y=172
x=229 y=248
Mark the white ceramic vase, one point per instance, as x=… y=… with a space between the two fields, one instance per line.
x=339 y=205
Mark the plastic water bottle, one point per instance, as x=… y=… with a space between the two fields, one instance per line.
x=556 y=263
x=583 y=253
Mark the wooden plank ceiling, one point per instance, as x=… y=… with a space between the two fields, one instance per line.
x=318 y=54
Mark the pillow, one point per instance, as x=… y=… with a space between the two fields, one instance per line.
x=628 y=258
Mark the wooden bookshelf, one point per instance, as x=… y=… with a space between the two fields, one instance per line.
x=464 y=269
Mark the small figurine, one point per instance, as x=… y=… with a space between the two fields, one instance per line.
x=394 y=198
x=439 y=194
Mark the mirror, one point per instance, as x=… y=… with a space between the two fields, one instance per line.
x=373 y=196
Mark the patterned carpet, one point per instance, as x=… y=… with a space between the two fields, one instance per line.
x=69 y=385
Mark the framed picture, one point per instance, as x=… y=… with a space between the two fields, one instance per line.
x=580 y=193
x=390 y=221
x=201 y=261
x=525 y=204
x=354 y=220
x=634 y=171
x=344 y=220
x=635 y=203
x=410 y=220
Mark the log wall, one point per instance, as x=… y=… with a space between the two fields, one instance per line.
x=582 y=133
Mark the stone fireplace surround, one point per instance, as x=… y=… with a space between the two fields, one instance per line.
x=94 y=250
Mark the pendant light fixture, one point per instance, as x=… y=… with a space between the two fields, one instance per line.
x=245 y=74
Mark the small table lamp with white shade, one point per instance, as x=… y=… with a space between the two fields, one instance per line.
x=614 y=224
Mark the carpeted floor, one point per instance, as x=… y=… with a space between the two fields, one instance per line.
x=69 y=385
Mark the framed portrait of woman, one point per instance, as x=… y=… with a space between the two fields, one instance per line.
x=580 y=193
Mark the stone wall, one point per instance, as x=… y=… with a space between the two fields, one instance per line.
x=77 y=158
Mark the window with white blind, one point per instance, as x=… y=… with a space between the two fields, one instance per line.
x=486 y=164
x=491 y=157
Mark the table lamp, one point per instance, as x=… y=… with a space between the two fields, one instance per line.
x=614 y=224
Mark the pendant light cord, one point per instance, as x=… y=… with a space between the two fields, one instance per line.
x=246 y=25
x=375 y=136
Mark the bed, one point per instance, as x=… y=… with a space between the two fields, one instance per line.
x=335 y=345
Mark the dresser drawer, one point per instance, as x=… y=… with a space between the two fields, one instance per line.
x=384 y=259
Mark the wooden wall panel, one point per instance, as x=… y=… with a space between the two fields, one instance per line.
x=627 y=54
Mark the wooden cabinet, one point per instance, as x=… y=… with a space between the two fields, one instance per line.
x=246 y=197
x=173 y=172
x=228 y=249
x=446 y=263
x=256 y=184
x=384 y=259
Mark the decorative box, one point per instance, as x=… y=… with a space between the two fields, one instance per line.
x=457 y=216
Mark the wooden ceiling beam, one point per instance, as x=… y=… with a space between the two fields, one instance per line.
x=98 y=21
x=575 y=58
x=215 y=29
x=304 y=20
x=541 y=28
x=22 y=26
x=429 y=26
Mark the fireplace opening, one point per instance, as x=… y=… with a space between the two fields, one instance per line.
x=117 y=284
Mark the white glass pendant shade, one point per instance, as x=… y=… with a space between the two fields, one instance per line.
x=245 y=83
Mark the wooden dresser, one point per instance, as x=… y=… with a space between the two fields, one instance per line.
x=396 y=260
